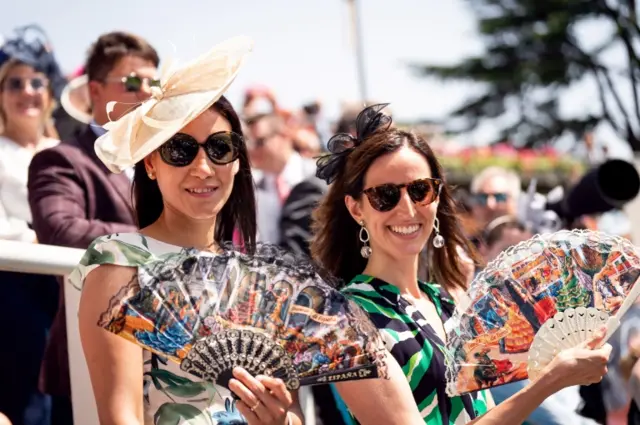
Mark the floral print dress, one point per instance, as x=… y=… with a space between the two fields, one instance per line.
x=171 y=396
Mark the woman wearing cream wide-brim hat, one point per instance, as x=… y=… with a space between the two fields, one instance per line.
x=185 y=197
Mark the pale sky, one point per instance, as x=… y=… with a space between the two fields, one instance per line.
x=303 y=49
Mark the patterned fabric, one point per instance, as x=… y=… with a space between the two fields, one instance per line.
x=171 y=396
x=416 y=347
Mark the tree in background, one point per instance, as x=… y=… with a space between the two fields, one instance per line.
x=532 y=55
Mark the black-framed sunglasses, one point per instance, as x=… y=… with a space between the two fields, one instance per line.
x=17 y=84
x=133 y=83
x=221 y=148
x=387 y=196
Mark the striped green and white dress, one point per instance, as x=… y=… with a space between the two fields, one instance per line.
x=416 y=347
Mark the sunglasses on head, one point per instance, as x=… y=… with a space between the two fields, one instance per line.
x=221 y=148
x=134 y=83
x=483 y=198
x=17 y=84
x=387 y=196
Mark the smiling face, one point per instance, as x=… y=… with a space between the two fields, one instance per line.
x=199 y=190
x=24 y=96
x=404 y=230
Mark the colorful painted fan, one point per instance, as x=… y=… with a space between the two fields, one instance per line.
x=537 y=298
x=270 y=313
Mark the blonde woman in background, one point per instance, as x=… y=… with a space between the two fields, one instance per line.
x=29 y=301
x=26 y=104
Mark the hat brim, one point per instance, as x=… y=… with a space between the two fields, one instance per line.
x=71 y=99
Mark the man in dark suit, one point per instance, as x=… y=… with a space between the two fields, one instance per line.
x=74 y=198
x=295 y=222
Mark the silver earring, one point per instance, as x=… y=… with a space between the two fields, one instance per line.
x=365 y=251
x=438 y=239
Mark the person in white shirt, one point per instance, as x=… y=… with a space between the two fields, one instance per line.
x=280 y=168
x=28 y=302
x=25 y=112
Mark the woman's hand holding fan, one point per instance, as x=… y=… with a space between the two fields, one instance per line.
x=582 y=365
x=545 y=296
x=263 y=399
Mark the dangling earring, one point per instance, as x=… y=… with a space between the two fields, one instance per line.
x=365 y=251
x=438 y=239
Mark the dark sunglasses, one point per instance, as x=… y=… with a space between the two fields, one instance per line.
x=483 y=198
x=17 y=84
x=387 y=196
x=133 y=83
x=221 y=148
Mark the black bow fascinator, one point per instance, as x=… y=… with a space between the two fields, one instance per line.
x=31 y=45
x=369 y=121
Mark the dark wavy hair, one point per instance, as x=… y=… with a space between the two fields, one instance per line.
x=336 y=245
x=238 y=212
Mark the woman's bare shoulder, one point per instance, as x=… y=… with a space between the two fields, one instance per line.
x=109 y=279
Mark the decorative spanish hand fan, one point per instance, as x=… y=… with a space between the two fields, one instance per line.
x=537 y=298
x=270 y=313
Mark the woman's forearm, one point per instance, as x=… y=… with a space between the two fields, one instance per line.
x=517 y=408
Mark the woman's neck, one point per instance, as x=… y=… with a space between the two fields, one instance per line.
x=402 y=273
x=26 y=136
x=176 y=229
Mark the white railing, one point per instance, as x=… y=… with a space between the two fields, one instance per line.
x=54 y=260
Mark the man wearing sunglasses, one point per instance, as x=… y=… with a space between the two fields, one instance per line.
x=74 y=198
x=494 y=193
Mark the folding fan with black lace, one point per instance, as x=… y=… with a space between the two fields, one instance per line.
x=270 y=313
x=537 y=298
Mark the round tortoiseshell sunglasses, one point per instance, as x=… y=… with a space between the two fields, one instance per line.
x=386 y=197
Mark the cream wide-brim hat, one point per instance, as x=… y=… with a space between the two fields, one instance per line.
x=185 y=93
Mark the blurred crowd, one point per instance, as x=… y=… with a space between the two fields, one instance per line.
x=54 y=190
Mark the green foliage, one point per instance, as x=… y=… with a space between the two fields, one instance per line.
x=532 y=55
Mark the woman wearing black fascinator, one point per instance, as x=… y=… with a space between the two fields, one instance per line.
x=388 y=200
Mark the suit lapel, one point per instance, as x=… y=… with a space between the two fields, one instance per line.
x=120 y=182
